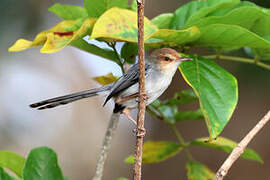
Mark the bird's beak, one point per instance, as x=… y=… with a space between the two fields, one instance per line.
x=185 y=59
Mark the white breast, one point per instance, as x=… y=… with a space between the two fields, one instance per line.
x=155 y=84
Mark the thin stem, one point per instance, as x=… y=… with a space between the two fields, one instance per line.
x=240 y=59
x=110 y=129
x=239 y=149
x=106 y=145
x=182 y=142
x=175 y=130
x=119 y=61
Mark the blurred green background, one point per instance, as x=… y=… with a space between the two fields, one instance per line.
x=76 y=131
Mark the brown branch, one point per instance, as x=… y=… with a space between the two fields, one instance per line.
x=239 y=149
x=142 y=102
x=106 y=145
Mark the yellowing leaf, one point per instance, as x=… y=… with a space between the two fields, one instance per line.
x=57 y=37
x=177 y=37
x=121 y=24
x=198 y=171
x=157 y=151
x=226 y=145
x=12 y=161
x=57 y=41
x=106 y=79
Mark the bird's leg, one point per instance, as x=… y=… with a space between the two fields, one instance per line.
x=145 y=97
x=126 y=112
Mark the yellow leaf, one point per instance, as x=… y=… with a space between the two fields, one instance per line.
x=106 y=79
x=57 y=41
x=121 y=24
x=58 y=36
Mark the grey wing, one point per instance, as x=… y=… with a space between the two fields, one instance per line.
x=126 y=80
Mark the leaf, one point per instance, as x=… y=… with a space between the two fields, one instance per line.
x=96 y=8
x=195 y=10
x=106 y=79
x=121 y=178
x=198 y=171
x=228 y=36
x=168 y=112
x=55 y=42
x=41 y=164
x=177 y=37
x=226 y=145
x=163 y=21
x=57 y=37
x=12 y=161
x=217 y=91
x=121 y=24
x=134 y=5
x=68 y=12
x=102 y=52
x=188 y=115
x=246 y=17
x=263 y=54
x=183 y=97
x=129 y=52
x=157 y=151
x=5 y=176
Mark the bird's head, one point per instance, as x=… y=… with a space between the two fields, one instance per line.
x=166 y=59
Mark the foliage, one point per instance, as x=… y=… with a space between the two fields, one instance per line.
x=218 y=25
x=41 y=164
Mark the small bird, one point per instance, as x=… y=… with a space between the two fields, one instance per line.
x=160 y=68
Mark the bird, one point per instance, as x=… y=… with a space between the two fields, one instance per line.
x=160 y=68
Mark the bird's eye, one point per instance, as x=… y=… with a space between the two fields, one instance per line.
x=167 y=58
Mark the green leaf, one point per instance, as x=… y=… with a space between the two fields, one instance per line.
x=96 y=8
x=121 y=24
x=129 y=52
x=195 y=10
x=121 y=178
x=263 y=54
x=12 y=161
x=217 y=91
x=188 y=115
x=91 y=48
x=106 y=79
x=157 y=151
x=41 y=164
x=68 y=12
x=134 y=6
x=198 y=171
x=227 y=145
x=228 y=36
x=163 y=21
x=168 y=112
x=183 y=97
x=177 y=37
x=246 y=17
x=5 y=176
x=224 y=11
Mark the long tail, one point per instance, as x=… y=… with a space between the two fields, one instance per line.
x=51 y=103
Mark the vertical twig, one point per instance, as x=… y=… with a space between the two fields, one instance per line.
x=239 y=149
x=110 y=129
x=142 y=103
x=106 y=145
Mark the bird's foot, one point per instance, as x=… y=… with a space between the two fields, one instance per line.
x=140 y=132
x=145 y=97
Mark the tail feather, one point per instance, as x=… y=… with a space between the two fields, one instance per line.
x=51 y=103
